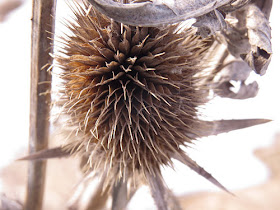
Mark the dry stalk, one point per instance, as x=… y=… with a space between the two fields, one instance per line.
x=39 y=103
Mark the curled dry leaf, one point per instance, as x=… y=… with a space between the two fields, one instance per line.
x=157 y=12
x=237 y=71
x=259 y=34
x=244 y=92
x=250 y=37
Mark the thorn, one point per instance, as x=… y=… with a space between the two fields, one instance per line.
x=56 y=152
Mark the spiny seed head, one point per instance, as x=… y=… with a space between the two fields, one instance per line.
x=131 y=92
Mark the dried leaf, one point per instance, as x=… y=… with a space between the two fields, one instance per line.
x=259 y=34
x=237 y=40
x=244 y=92
x=157 y=12
x=250 y=37
x=237 y=71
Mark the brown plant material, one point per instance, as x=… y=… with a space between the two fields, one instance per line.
x=124 y=88
x=39 y=102
x=62 y=176
x=237 y=71
x=210 y=128
x=56 y=152
x=250 y=37
x=156 y=12
x=131 y=95
x=247 y=38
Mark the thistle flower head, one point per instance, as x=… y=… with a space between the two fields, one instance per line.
x=131 y=92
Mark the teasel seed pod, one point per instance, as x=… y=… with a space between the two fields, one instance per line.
x=132 y=92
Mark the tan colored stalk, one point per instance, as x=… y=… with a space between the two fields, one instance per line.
x=42 y=23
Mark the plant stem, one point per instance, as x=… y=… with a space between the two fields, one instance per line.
x=42 y=23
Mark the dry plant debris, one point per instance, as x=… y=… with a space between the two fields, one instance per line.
x=131 y=90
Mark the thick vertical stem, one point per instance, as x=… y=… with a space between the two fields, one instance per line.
x=42 y=23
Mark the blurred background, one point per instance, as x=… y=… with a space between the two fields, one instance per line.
x=247 y=161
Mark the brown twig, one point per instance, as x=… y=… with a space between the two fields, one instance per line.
x=42 y=21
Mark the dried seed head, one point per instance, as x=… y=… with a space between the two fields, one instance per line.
x=131 y=92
